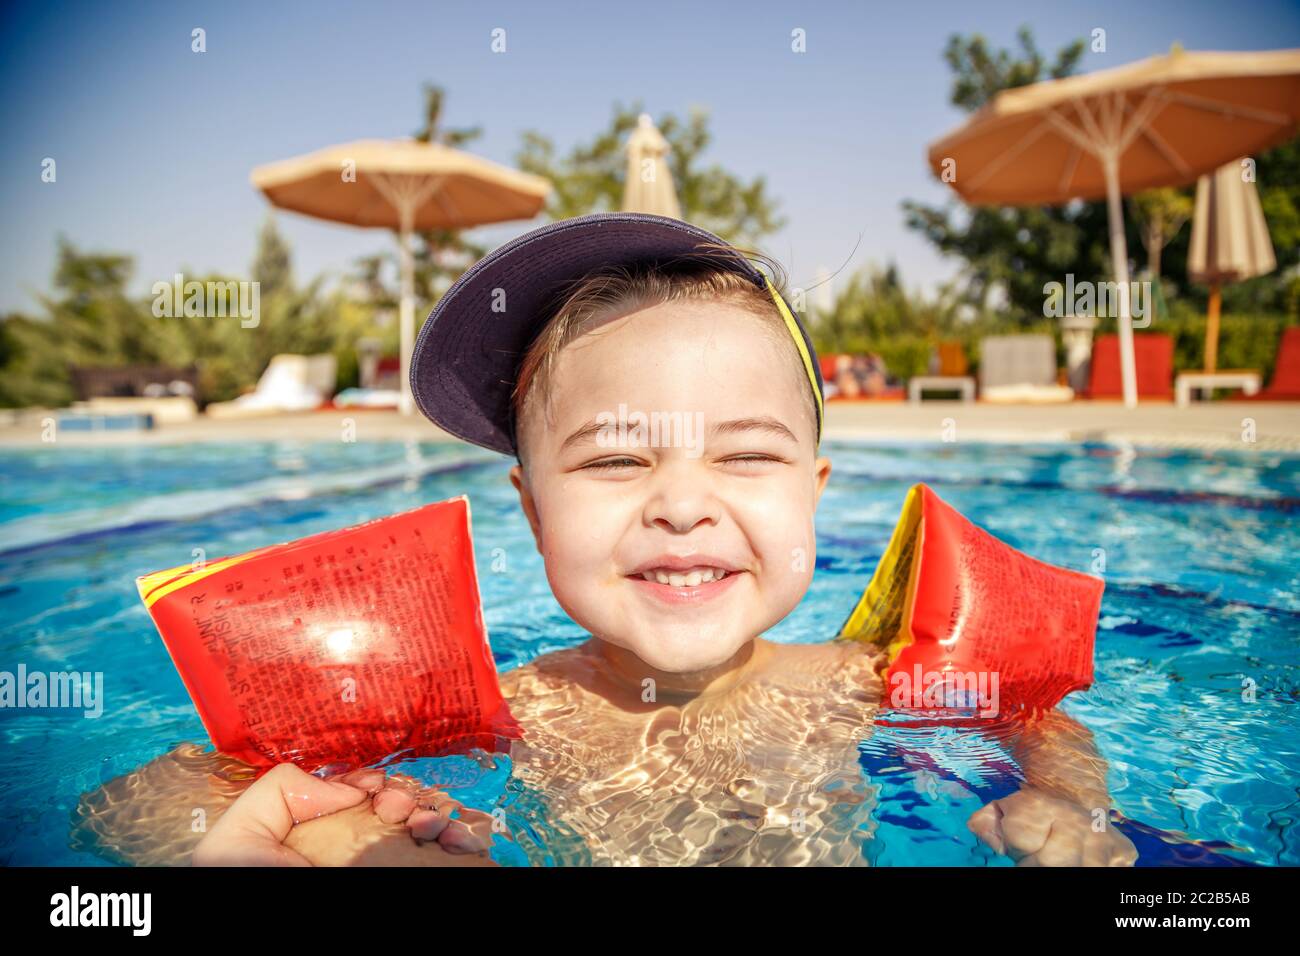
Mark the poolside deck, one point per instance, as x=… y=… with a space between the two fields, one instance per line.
x=1208 y=425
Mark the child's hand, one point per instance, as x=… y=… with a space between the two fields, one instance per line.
x=365 y=809
x=253 y=830
x=1037 y=829
x=427 y=814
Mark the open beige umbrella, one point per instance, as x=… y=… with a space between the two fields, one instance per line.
x=1230 y=241
x=404 y=185
x=1162 y=121
x=648 y=186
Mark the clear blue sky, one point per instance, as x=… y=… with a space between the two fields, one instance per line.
x=154 y=143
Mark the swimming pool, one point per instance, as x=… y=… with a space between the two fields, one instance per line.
x=1203 y=594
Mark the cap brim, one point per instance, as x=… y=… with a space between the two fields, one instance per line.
x=467 y=355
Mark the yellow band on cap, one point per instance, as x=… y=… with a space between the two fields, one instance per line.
x=793 y=327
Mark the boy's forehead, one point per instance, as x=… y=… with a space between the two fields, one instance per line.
x=675 y=348
x=687 y=356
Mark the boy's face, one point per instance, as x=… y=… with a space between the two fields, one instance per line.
x=737 y=493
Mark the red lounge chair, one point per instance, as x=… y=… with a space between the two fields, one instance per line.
x=1152 y=353
x=1285 y=386
x=952 y=360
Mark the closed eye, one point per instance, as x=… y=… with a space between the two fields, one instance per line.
x=754 y=459
x=745 y=462
x=610 y=463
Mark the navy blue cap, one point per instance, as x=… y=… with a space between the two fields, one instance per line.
x=467 y=356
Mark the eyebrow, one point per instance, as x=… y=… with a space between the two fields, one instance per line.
x=736 y=426
x=583 y=434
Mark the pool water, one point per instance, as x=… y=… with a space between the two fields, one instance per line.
x=1194 y=707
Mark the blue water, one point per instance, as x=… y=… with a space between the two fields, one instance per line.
x=1202 y=608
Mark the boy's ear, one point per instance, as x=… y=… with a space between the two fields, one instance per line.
x=526 y=502
x=821 y=474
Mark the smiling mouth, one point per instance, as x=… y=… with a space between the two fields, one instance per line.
x=686 y=578
x=687 y=586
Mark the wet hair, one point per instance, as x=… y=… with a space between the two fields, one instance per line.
x=613 y=291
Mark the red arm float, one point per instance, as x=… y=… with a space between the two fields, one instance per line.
x=968 y=622
x=345 y=646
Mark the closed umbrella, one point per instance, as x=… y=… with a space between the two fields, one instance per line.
x=1162 y=121
x=1230 y=241
x=404 y=185
x=648 y=186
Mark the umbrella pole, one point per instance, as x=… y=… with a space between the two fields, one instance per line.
x=405 y=194
x=1212 y=330
x=406 y=310
x=1119 y=265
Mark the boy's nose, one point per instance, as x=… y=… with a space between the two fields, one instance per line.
x=681 y=500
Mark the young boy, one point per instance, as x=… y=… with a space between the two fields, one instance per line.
x=665 y=408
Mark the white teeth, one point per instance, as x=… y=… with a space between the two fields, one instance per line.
x=685 y=579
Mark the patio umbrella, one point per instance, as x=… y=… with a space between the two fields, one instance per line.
x=1230 y=241
x=1162 y=121
x=648 y=186
x=404 y=185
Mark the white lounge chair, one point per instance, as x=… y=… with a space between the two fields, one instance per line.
x=291 y=383
x=1020 y=368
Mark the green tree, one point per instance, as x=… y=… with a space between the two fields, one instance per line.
x=1160 y=214
x=589 y=178
x=272 y=264
x=981 y=73
x=1015 y=249
x=440 y=255
x=1020 y=249
x=1277 y=174
x=874 y=312
x=305 y=319
x=90 y=320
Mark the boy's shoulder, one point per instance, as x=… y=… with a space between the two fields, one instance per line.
x=842 y=662
x=551 y=672
x=834 y=652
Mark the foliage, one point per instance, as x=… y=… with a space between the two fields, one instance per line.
x=1160 y=215
x=590 y=177
x=1015 y=251
x=91 y=320
x=875 y=313
x=440 y=255
x=1011 y=250
x=981 y=74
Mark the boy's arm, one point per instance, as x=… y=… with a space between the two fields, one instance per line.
x=1060 y=816
x=1059 y=757
x=157 y=814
